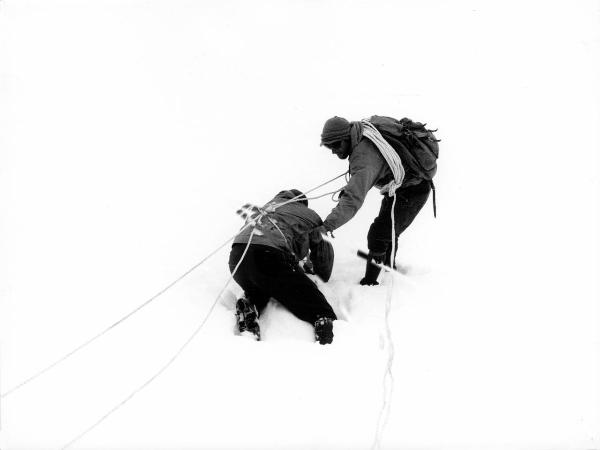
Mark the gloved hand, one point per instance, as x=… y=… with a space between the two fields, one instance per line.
x=324 y=231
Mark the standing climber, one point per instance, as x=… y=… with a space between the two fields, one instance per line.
x=279 y=240
x=380 y=155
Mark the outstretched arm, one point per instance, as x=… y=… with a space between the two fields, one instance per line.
x=367 y=166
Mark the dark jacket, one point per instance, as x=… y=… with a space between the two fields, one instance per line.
x=292 y=229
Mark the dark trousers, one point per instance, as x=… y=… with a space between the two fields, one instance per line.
x=267 y=272
x=409 y=202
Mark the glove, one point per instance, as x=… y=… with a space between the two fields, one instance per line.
x=325 y=232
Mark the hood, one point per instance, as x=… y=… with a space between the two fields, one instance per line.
x=290 y=194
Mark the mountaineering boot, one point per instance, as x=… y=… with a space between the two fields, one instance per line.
x=371 y=270
x=324 y=330
x=247 y=317
x=371 y=274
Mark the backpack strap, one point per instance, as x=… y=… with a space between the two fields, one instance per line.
x=433 y=191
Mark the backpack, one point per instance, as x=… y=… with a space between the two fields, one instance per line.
x=416 y=145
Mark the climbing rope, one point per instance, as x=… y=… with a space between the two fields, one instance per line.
x=150 y=300
x=252 y=221
x=298 y=197
x=388 y=377
x=170 y=361
x=332 y=193
x=118 y=322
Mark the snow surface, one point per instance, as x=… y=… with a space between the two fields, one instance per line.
x=132 y=131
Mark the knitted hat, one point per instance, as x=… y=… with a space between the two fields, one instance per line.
x=335 y=130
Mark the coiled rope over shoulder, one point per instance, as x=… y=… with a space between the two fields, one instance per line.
x=389 y=154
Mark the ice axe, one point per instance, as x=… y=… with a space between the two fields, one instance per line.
x=365 y=255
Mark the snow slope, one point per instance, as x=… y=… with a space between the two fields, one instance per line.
x=132 y=131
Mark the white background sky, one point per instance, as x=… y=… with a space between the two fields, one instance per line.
x=131 y=131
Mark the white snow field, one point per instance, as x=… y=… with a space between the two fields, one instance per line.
x=131 y=131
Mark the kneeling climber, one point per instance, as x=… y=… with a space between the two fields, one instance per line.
x=284 y=234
